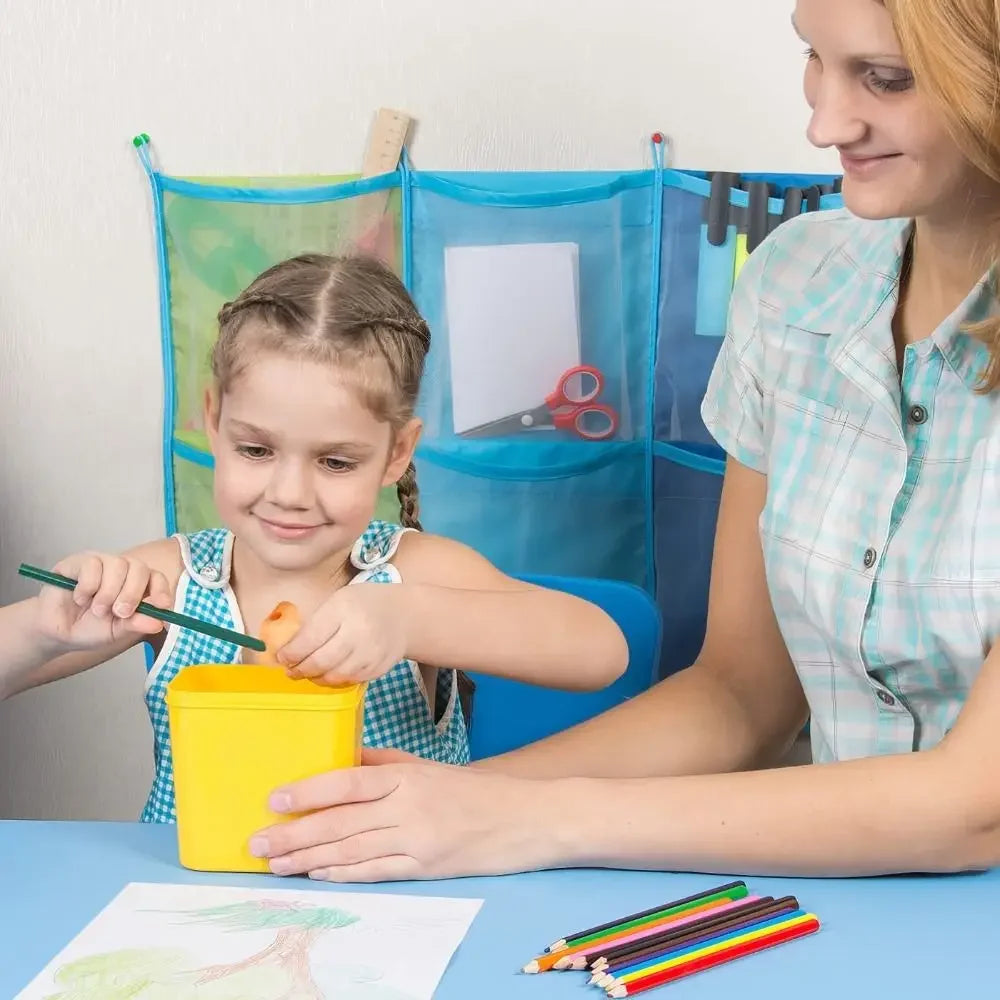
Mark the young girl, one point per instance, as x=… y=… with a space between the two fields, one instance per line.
x=316 y=370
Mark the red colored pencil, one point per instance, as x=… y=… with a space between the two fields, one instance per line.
x=710 y=961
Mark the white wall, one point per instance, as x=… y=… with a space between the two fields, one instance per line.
x=257 y=87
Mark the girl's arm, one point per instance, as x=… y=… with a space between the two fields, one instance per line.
x=59 y=633
x=461 y=612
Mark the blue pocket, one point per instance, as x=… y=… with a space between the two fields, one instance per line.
x=687 y=482
x=541 y=501
x=562 y=508
x=605 y=217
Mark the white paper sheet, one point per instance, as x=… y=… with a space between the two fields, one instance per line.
x=513 y=326
x=196 y=942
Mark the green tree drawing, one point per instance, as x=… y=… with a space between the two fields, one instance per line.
x=298 y=925
x=281 y=971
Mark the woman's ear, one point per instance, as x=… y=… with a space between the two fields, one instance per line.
x=404 y=444
x=210 y=413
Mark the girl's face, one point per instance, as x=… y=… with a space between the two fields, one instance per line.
x=299 y=461
x=898 y=158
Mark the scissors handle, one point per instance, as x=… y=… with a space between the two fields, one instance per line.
x=577 y=419
x=591 y=382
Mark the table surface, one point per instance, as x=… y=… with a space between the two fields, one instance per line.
x=914 y=937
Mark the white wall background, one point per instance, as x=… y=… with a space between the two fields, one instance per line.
x=256 y=87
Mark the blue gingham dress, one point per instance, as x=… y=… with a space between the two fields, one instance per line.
x=396 y=707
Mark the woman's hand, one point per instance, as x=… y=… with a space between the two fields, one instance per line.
x=101 y=610
x=405 y=818
x=356 y=634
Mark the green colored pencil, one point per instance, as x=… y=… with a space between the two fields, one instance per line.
x=160 y=614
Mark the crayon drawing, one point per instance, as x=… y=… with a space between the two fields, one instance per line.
x=179 y=942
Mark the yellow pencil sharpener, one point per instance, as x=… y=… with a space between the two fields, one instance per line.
x=237 y=734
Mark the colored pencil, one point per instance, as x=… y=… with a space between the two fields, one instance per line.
x=727 y=939
x=639 y=938
x=160 y=614
x=575 y=938
x=713 y=959
x=734 y=891
x=720 y=944
x=561 y=959
x=621 y=957
x=642 y=962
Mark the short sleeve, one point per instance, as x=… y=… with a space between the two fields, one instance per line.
x=732 y=408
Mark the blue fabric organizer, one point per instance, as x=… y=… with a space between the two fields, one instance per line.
x=658 y=251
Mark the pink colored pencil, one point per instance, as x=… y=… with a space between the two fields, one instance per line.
x=582 y=960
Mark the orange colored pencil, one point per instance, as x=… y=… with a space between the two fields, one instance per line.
x=561 y=959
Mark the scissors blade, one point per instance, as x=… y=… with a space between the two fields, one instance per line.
x=514 y=423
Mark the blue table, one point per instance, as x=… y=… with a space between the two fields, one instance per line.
x=906 y=937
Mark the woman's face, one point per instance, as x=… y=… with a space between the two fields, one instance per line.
x=898 y=158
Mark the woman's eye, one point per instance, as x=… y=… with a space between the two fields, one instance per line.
x=253 y=451
x=890 y=84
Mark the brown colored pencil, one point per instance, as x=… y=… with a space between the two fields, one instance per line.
x=606 y=976
x=589 y=954
x=616 y=957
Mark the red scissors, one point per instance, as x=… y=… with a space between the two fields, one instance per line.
x=570 y=406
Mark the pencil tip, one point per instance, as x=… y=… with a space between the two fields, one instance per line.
x=562 y=963
x=532 y=966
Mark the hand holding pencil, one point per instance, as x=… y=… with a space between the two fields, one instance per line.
x=102 y=609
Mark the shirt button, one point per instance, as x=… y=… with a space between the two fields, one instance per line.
x=869 y=558
x=886 y=698
x=918 y=414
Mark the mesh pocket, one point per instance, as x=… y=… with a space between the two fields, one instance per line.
x=685 y=509
x=215 y=248
x=568 y=509
x=605 y=230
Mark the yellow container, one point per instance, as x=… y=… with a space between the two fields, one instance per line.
x=240 y=732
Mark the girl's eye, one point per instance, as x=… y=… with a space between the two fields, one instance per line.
x=337 y=465
x=810 y=54
x=255 y=452
x=893 y=84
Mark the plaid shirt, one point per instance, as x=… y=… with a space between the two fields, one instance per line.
x=881 y=528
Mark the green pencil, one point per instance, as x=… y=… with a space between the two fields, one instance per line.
x=160 y=614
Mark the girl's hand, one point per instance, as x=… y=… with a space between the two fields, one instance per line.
x=357 y=634
x=101 y=610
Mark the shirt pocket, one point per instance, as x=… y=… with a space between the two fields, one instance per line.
x=805 y=459
x=967 y=544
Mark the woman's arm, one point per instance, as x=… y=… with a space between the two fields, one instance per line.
x=654 y=803
x=461 y=612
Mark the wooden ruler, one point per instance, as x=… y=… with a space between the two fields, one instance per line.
x=375 y=232
x=385 y=146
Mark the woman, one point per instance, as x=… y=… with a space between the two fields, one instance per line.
x=856 y=576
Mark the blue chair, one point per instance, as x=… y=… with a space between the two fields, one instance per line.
x=508 y=714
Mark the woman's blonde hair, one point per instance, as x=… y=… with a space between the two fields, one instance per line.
x=351 y=311
x=953 y=49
